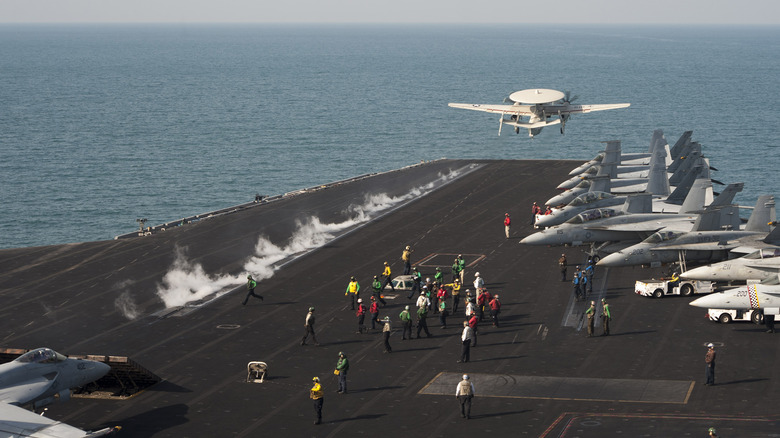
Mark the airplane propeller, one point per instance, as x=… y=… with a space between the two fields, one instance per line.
x=567 y=99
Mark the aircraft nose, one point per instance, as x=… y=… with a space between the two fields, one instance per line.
x=701 y=273
x=711 y=301
x=614 y=259
x=99 y=370
x=534 y=239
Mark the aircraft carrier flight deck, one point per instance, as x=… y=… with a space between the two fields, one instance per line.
x=536 y=375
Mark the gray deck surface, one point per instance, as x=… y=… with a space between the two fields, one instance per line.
x=68 y=297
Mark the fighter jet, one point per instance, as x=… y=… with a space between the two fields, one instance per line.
x=658 y=184
x=669 y=246
x=626 y=225
x=762 y=265
x=38 y=378
x=632 y=159
x=755 y=296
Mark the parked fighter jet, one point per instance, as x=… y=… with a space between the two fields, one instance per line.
x=763 y=265
x=543 y=107
x=37 y=378
x=668 y=246
x=634 y=159
x=628 y=225
x=658 y=184
x=756 y=296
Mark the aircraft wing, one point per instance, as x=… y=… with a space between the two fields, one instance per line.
x=582 y=109
x=26 y=391
x=646 y=226
x=522 y=110
x=701 y=246
x=19 y=422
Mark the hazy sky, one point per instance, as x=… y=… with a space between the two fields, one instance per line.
x=391 y=11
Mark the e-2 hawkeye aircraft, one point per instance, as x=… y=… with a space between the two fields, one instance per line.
x=543 y=107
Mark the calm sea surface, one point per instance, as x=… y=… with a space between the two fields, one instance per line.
x=100 y=125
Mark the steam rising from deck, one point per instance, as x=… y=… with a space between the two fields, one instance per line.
x=186 y=281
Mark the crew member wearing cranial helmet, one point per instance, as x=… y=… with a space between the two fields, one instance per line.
x=250 y=287
x=309 y=326
x=317 y=394
x=406 y=256
x=353 y=291
x=342 y=366
x=464 y=392
x=361 y=315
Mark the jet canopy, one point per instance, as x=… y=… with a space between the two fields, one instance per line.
x=595 y=214
x=662 y=236
x=41 y=355
x=587 y=198
x=766 y=253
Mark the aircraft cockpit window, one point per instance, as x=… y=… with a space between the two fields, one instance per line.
x=41 y=355
x=662 y=237
x=589 y=197
x=768 y=253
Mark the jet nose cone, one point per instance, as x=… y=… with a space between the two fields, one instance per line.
x=614 y=259
x=533 y=239
x=701 y=273
x=711 y=301
x=99 y=369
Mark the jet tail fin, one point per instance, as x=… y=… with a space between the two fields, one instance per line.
x=639 y=203
x=600 y=184
x=716 y=219
x=612 y=152
x=657 y=140
x=726 y=197
x=657 y=180
x=681 y=143
x=685 y=186
x=763 y=214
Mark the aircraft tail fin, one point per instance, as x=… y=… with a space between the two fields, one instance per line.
x=600 y=184
x=657 y=180
x=608 y=170
x=685 y=186
x=684 y=140
x=719 y=218
x=773 y=238
x=612 y=152
x=686 y=164
x=726 y=197
x=697 y=196
x=679 y=157
x=639 y=203
x=763 y=214
x=657 y=140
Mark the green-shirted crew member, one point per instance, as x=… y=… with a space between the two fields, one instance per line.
x=591 y=313
x=376 y=288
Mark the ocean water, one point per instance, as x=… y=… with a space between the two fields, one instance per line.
x=103 y=124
